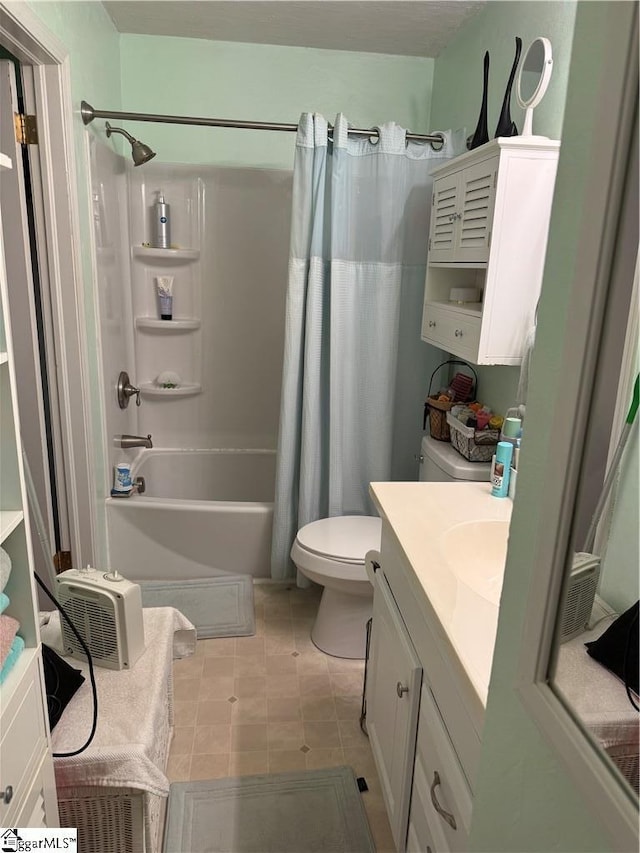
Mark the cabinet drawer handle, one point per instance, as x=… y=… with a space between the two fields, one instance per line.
x=458 y=333
x=7 y=795
x=400 y=690
x=432 y=323
x=450 y=819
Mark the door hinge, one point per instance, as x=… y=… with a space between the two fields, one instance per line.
x=26 y=129
x=62 y=561
x=429 y=243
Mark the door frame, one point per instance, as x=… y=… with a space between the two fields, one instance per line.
x=59 y=242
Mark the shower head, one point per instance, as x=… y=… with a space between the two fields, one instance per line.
x=140 y=152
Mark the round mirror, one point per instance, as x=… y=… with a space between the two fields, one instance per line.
x=535 y=73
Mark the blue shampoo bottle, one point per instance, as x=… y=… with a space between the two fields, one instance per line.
x=500 y=469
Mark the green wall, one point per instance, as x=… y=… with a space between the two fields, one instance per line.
x=86 y=31
x=457 y=95
x=525 y=800
x=258 y=82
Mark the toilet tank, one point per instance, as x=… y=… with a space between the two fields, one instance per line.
x=441 y=463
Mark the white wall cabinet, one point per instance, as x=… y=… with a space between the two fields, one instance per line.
x=27 y=786
x=489 y=225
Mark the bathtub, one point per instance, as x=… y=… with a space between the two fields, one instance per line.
x=204 y=513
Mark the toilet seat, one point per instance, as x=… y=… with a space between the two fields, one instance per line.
x=333 y=550
x=344 y=538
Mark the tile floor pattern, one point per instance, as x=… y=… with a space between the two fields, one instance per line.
x=271 y=703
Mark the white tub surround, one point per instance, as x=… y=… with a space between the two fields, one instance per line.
x=436 y=604
x=204 y=513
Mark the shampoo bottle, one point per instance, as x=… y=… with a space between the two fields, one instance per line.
x=161 y=223
x=500 y=469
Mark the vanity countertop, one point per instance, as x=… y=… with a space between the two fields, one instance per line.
x=421 y=516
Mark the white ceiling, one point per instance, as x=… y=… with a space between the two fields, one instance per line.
x=413 y=28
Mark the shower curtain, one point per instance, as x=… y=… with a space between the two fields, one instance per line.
x=352 y=358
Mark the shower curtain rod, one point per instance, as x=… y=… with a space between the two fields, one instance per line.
x=88 y=114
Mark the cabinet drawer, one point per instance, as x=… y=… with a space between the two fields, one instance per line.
x=440 y=790
x=24 y=741
x=451 y=330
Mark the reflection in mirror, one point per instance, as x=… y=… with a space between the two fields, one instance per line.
x=599 y=684
x=533 y=79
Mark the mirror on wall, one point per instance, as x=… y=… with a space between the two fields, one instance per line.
x=533 y=79
x=599 y=683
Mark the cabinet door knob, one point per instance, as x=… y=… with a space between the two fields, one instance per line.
x=458 y=333
x=401 y=690
x=450 y=819
x=7 y=795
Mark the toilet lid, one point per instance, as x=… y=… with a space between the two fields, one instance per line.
x=345 y=537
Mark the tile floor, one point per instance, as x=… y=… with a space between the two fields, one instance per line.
x=272 y=703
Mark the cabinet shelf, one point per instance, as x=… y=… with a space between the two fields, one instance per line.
x=152 y=324
x=186 y=390
x=473 y=309
x=166 y=254
x=9 y=520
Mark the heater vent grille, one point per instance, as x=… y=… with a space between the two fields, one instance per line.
x=579 y=602
x=95 y=621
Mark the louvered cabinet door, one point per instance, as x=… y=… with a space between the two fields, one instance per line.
x=444 y=218
x=475 y=211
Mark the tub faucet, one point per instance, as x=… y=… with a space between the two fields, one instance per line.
x=129 y=441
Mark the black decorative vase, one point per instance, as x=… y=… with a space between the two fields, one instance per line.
x=481 y=134
x=507 y=127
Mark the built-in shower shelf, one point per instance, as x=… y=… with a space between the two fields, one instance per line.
x=186 y=390
x=166 y=254
x=152 y=324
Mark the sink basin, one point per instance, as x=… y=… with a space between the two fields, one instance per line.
x=476 y=552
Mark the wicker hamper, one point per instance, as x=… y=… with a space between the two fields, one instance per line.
x=437 y=410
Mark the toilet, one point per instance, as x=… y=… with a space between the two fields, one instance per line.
x=331 y=552
x=441 y=463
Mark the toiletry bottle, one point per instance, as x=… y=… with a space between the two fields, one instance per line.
x=161 y=223
x=122 y=479
x=500 y=469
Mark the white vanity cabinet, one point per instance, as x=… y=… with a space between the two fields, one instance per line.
x=27 y=785
x=426 y=790
x=489 y=224
x=429 y=636
x=393 y=699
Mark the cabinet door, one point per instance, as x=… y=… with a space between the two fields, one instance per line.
x=475 y=211
x=393 y=700
x=444 y=214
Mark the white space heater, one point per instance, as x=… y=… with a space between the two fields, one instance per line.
x=580 y=594
x=106 y=610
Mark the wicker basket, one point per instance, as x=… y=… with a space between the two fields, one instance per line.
x=476 y=445
x=437 y=410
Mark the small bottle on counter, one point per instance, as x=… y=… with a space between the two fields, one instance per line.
x=500 y=468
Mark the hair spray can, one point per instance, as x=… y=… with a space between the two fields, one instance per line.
x=500 y=469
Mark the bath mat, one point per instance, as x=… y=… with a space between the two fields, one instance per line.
x=317 y=811
x=218 y=607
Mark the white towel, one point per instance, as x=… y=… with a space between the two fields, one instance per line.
x=134 y=714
